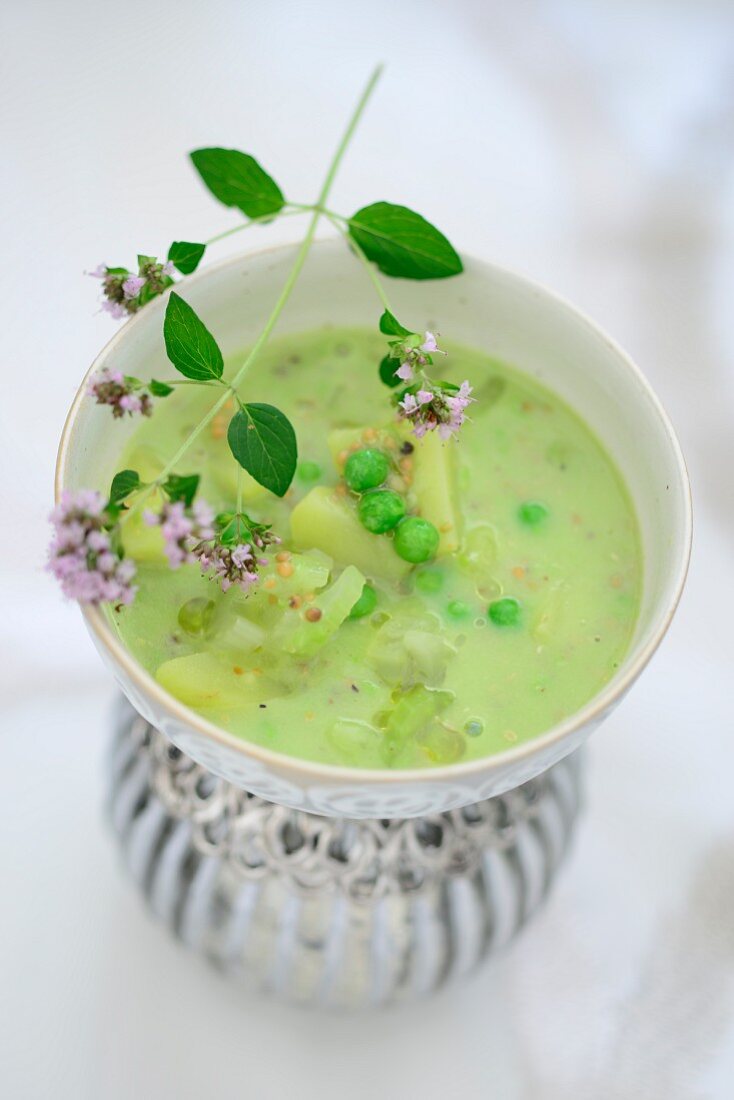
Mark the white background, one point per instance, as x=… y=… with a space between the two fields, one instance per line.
x=588 y=144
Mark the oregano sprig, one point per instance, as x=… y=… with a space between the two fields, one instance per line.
x=386 y=237
x=260 y=437
x=125 y=292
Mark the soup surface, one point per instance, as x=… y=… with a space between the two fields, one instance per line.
x=521 y=617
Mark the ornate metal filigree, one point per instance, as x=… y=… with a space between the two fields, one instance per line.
x=366 y=859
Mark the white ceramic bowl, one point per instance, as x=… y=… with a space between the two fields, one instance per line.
x=489 y=308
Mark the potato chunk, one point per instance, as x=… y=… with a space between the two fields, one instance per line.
x=325 y=521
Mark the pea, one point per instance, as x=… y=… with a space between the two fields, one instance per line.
x=195 y=616
x=366 y=603
x=532 y=512
x=474 y=727
x=309 y=471
x=457 y=609
x=416 y=539
x=366 y=469
x=505 y=611
x=380 y=510
x=429 y=580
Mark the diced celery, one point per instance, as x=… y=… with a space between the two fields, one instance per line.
x=547 y=619
x=257 y=607
x=328 y=522
x=239 y=636
x=478 y=555
x=441 y=745
x=306 y=630
x=434 y=485
x=409 y=656
x=204 y=680
x=357 y=741
x=299 y=574
x=412 y=712
x=430 y=654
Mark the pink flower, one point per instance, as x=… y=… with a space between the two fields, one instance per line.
x=235 y=562
x=190 y=535
x=438 y=409
x=411 y=403
x=182 y=530
x=203 y=514
x=430 y=345
x=111 y=387
x=413 y=355
x=81 y=556
x=130 y=403
x=133 y=285
x=232 y=565
x=115 y=309
x=126 y=292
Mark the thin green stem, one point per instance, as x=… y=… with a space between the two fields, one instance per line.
x=294 y=209
x=186 y=382
x=312 y=225
x=334 y=216
x=360 y=254
x=239 y=489
x=292 y=277
x=348 y=134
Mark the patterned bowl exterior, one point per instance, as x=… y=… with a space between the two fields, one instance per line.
x=327 y=911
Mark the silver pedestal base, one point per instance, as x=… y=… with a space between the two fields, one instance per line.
x=326 y=911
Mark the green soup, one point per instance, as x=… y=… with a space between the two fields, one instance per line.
x=523 y=614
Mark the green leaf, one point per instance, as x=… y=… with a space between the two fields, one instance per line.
x=159 y=389
x=111 y=515
x=237 y=179
x=388 y=366
x=402 y=243
x=186 y=255
x=181 y=487
x=234 y=529
x=123 y=483
x=189 y=345
x=390 y=325
x=262 y=440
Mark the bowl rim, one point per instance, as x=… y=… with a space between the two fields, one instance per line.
x=594 y=709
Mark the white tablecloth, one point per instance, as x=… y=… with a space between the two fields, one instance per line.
x=586 y=144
